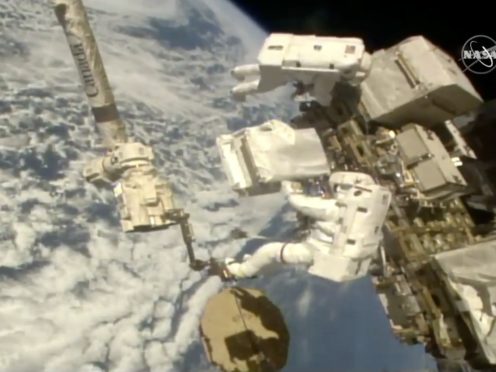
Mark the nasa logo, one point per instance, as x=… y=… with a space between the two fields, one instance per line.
x=479 y=54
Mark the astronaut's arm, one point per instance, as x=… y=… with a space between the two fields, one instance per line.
x=266 y=257
x=312 y=206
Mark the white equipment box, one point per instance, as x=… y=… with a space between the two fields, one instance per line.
x=257 y=159
x=416 y=82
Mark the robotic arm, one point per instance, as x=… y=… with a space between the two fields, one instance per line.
x=145 y=200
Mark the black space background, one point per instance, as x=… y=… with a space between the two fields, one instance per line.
x=380 y=25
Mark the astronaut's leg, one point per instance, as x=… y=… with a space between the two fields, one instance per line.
x=269 y=254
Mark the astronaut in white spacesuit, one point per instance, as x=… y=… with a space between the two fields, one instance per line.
x=344 y=238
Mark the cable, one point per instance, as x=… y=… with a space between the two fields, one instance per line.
x=253 y=342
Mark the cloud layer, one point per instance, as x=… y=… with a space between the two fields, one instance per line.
x=75 y=292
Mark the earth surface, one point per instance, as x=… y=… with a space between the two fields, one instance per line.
x=77 y=294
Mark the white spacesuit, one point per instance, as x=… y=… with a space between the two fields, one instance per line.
x=345 y=235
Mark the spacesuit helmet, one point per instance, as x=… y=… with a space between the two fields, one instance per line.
x=318 y=186
x=346 y=180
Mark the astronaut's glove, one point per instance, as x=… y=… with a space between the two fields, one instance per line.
x=290 y=187
x=236 y=268
x=219 y=268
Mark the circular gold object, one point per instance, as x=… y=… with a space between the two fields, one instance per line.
x=242 y=330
